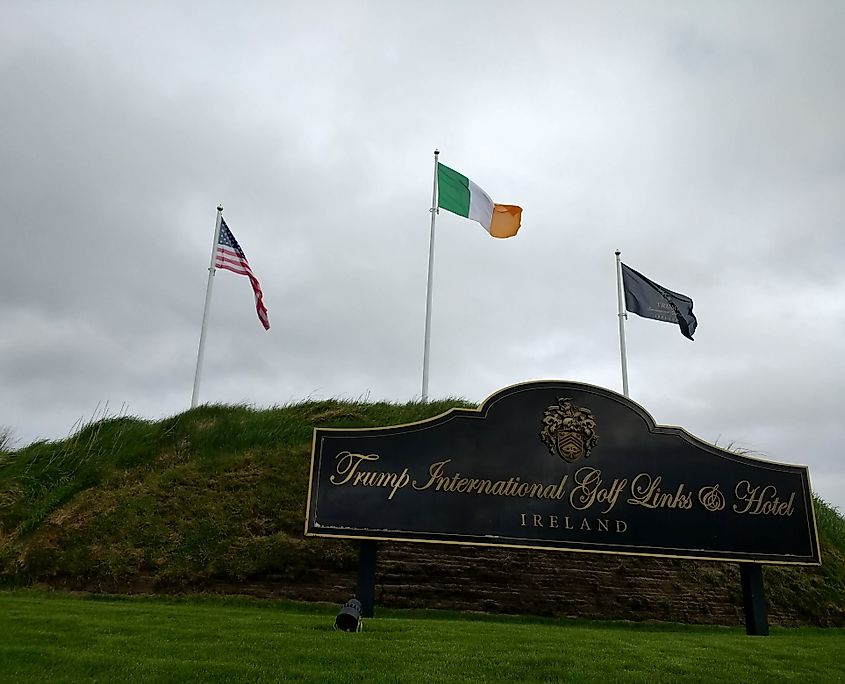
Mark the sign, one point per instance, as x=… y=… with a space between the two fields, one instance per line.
x=559 y=465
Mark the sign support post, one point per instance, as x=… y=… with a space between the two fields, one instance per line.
x=754 y=599
x=366 y=591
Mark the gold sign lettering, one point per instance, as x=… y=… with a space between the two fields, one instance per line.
x=762 y=500
x=440 y=481
x=347 y=466
x=566 y=522
x=646 y=492
x=589 y=490
x=711 y=498
x=348 y=470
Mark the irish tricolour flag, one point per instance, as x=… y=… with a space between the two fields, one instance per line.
x=458 y=194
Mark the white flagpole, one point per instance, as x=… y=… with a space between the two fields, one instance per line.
x=427 y=344
x=622 y=316
x=211 y=271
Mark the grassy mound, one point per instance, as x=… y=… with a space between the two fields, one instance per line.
x=215 y=493
x=216 y=496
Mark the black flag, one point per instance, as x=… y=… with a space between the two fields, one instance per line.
x=646 y=298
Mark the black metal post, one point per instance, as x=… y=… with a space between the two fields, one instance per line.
x=366 y=592
x=754 y=599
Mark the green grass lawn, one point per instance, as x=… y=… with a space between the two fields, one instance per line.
x=57 y=637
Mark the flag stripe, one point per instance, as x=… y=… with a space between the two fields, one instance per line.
x=234 y=266
x=452 y=191
x=480 y=206
x=505 y=221
x=225 y=262
x=229 y=252
x=234 y=269
x=231 y=257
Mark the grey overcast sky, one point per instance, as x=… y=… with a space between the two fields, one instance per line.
x=704 y=140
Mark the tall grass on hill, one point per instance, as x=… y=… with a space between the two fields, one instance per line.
x=7 y=440
x=214 y=493
x=831 y=524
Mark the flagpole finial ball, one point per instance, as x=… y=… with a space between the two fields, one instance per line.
x=219 y=207
x=436 y=151
x=617 y=252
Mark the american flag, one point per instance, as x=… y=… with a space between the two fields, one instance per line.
x=230 y=256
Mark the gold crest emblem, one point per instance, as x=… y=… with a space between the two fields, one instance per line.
x=569 y=431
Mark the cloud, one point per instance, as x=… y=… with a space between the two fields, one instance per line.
x=705 y=144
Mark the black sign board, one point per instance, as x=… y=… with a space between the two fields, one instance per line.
x=559 y=465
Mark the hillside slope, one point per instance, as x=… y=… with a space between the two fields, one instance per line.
x=213 y=500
